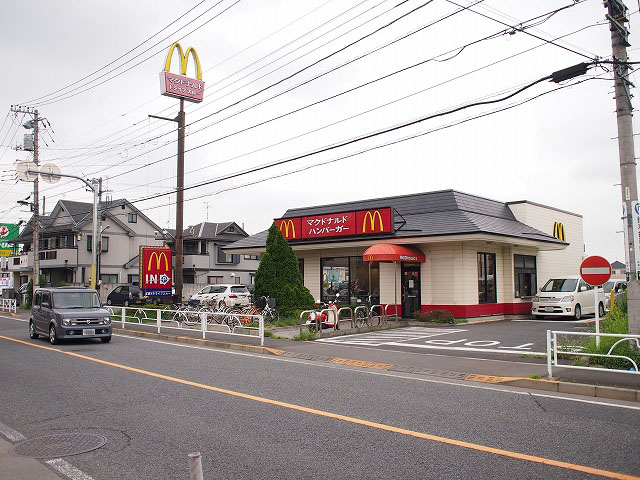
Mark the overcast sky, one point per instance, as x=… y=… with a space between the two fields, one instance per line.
x=558 y=149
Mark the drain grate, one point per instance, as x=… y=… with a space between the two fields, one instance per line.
x=60 y=445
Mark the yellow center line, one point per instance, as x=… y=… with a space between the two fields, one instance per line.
x=344 y=418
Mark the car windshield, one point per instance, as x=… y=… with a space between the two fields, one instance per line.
x=76 y=300
x=217 y=289
x=561 y=285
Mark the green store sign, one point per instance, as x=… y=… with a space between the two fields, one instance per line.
x=8 y=231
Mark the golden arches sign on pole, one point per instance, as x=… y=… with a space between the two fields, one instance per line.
x=184 y=60
x=179 y=85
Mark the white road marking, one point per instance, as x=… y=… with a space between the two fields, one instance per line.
x=390 y=337
x=67 y=469
x=453 y=383
x=11 y=434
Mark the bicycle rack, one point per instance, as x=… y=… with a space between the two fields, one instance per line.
x=382 y=318
x=361 y=308
x=351 y=317
x=307 y=312
x=395 y=310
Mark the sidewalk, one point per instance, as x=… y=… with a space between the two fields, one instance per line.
x=17 y=467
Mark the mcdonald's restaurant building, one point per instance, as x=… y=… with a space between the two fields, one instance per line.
x=443 y=250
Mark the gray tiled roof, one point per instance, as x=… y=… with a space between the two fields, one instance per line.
x=446 y=212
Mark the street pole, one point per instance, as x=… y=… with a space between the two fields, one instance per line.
x=617 y=16
x=180 y=202
x=35 y=238
x=94 y=239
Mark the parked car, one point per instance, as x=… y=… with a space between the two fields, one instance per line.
x=126 y=295
x=221 y=295
x=67 y=313
x=568 y=297
x=618 y=287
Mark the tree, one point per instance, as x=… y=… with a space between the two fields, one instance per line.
x=279 y=277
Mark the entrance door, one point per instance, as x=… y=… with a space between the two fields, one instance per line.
x=410 y=289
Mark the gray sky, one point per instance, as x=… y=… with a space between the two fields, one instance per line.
x=556 y=150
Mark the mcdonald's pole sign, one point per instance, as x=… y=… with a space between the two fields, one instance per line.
x=181 y=86
x=155 y=271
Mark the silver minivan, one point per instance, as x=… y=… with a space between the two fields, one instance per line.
x=568 y=297
x=69 y=312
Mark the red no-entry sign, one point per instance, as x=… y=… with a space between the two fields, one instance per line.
x=595 y=271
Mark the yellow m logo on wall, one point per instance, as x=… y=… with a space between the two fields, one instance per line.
x=372 y=221
x=158 y=261
x=558 y=231
x=184 y=59
x=286 y=224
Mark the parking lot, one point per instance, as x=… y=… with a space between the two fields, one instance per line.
x=521 y=337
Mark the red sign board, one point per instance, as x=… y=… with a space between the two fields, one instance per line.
x=595 y=271
x=364 y=222
x=155 y=271
x=179 y=86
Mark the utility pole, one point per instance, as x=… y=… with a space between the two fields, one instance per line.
x=36 y=199
x=180 y=119
x=617 y=14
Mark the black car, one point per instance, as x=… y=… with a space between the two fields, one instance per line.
x=126 y=295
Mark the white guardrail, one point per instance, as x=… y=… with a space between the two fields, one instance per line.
x=8 y=305
x=553 y=350
x=219 y=323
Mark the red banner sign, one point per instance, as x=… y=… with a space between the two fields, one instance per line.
x=364 y=222
x=155 y=271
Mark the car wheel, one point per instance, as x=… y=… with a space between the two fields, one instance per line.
x=578 y=312
x=108 y=301
x=32 y=330
x=601 y=310
x=53 y=339
x=126 y=303
x=105 y=339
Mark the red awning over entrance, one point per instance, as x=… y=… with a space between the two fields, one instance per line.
x=384 y=252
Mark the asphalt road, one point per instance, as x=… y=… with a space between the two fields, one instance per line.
x=257 y=416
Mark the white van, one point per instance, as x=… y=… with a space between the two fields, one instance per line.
x=567 y=296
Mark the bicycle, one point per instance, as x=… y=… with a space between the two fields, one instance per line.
x=269 y=312
x=367 y=318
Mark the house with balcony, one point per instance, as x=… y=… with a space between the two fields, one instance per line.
x=65 y=245
x=204 y=260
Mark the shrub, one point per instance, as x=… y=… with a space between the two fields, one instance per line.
x=436 y=316
x=28 y=298
x=305 y=336
x=278 y=276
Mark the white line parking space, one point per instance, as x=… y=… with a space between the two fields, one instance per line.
x=422 y=338
x=390 y=337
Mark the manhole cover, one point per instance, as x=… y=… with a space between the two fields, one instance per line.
x=60 y=445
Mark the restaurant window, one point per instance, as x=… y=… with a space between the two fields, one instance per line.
x=487 y=278
x=524 y=273
x=349 y=276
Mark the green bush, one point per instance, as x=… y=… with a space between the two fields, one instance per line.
x=305 y=336
x=279 y=277
x=28 y=298
x=616 y=321
x=435 y=316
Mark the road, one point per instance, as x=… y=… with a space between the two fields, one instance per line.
x=256 y=416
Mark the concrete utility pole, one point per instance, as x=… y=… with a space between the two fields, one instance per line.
x=36 y=199
x=617 y=16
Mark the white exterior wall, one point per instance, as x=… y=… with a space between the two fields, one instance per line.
x=554 y=262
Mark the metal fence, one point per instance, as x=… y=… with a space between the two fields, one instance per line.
x=204 y=322
x=8 y=305
x=554 y=349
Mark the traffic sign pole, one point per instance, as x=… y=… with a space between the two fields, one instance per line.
x=596 y=271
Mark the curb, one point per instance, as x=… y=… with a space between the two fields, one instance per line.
x=587 y=390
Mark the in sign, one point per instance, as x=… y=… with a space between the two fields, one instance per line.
x=595 y=271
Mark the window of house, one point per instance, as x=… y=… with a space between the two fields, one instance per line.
x=203 y=247
x=132 y=217
x=104 y=245
x=188 y=278
x=227 y=258
x=214 y=279
x=191 y=248
x=133 y=279
x=109 y=278
x=231 y=229
x=252 y=278
x=252 y=257
x=89 y=243
x=16 y=260
x=236 y=279
x=349 y=276
x=524 y=273
x=48 y=255
x=487 y=278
